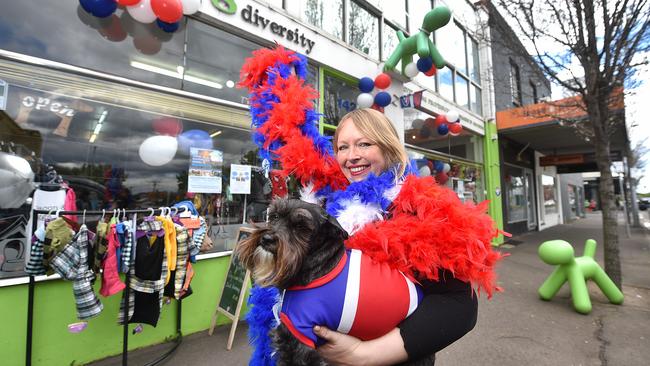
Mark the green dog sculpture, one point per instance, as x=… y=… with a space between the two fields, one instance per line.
x=420 y=42
x=577 y=271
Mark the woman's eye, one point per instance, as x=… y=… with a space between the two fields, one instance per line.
x=365 y=144
x=342 y=148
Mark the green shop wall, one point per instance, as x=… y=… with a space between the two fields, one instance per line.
x=492 y=176
x=54 y=309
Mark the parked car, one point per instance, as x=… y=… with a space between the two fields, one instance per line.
x=644 y=204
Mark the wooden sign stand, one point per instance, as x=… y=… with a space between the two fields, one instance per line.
x=234 y=288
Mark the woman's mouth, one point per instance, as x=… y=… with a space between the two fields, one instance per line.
x=358 y=170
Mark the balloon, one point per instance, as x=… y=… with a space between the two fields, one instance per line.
x=411 y=70
x=16 y=180
x=142 y=12
x=455 y=128
x=127 y=2
x=452 y=115
x=365 y=100
x=442 y=178
x=382 y=81
x=424 y=64
x=439 y=166
x=167 y=126
x=425 y=132
x=169 y=11
x=441 y=120
x=168 y=27
x=432 y=71
x=425 y=171
x=430 y=122
x=443 y=129
x=194 y=138
x=382 y=99
x=91 y=20
x=446 y=168
x=418 y=123
x=158 y=150
x=366 y=84
x=113 y=31
x=378 y=108
x=191 y=6
x=99 y=8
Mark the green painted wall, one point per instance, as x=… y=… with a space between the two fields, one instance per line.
x=54 y=309
x=492 y=176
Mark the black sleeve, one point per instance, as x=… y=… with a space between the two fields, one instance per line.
x=447 y=312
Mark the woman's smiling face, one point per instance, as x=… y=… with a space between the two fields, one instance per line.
x=357 y=155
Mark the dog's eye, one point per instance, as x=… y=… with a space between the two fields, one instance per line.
x=273 y=216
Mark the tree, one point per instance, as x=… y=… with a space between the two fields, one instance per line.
x=598 y=44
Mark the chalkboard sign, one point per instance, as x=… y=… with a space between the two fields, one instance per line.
x=231 y=297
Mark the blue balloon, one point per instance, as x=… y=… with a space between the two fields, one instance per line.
x=443 y=130
x=425 y=64
x=168 y=27
x=99 y=8
x=366 y=84
x=194 y=138
x=439 y=166
x=382 y=99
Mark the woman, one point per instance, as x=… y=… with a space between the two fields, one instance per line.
x=365 y=143
x=367 y=183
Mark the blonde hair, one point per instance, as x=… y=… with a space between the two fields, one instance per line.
x=375 y=126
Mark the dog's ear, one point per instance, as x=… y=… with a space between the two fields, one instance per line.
x=334 y=228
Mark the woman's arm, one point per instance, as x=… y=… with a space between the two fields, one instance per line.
x=344 y=350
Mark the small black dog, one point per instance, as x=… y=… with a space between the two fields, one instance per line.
x=301 y=251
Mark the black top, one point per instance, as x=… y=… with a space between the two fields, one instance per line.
x=149 y=258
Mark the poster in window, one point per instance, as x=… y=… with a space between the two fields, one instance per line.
x=240 y=179
x=205 y=171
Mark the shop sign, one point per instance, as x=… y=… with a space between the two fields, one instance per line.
x=41 y=103
x=561 y=160
x=252 y=16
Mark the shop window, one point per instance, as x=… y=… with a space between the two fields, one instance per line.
x=475 y=99
x=326 y=15
x=446 y=83
x=62 y=31
x=122 y=147
x=550 y=200
x=573 y=201
x=390 y=42
x=363 y=30
x=516 y=194
x=395 y=11
x=416 y=12
x=515 y=84
x=473 y=64
x=533 y=89
x=340 y=97
x=462 y=91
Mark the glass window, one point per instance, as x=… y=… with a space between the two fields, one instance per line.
x=395 y=10
x=446 y=83
x=340 y=98
x=475 y=99
x=515 y=84
x=450 y=41
x=516 y=194
x=550 y=201
x=533 y=90
x=213 y=60
x=326 y=15
x=390 y=43
x=363 y=30
x=473 y=64
x=462 y=91
x=417 y=10
x=62 y=31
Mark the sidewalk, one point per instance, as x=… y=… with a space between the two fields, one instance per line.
x=514 y=327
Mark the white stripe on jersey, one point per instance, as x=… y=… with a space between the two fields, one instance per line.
x=413 y=296
x=351 y=292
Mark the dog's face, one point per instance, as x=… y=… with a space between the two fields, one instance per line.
x=296 y=230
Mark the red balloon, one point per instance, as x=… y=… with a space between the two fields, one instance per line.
x=440 y=119
x=169 y=11
x=455 y=128
x=377 y=108
x=442 y=178
x=382 y=81
x=127 y=2
x=168 y=126
x=432 y=71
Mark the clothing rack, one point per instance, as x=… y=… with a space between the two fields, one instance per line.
x=125 y=337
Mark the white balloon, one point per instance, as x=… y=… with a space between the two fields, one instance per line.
x=411 y=70
x=365 y=100
x=425 y=171
x=418 y=123
x=191 y=6
x=446 y=168
x=452 y=115
x=142 y=12
x=158 y=150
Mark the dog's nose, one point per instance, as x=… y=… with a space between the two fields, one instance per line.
x=267 y=240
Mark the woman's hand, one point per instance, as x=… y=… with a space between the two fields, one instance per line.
x=344 y=350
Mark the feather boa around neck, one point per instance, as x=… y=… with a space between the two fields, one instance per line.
x=429 y=228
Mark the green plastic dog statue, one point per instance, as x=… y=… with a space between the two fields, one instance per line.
x=577 y=271
x=420 y=42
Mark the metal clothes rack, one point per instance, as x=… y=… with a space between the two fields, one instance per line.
x=125 y=336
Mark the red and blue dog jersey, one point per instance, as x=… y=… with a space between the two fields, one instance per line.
x=359 y=297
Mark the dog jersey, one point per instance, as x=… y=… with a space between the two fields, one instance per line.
x=359 y=297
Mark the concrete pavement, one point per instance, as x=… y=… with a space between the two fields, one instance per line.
x=514 y=327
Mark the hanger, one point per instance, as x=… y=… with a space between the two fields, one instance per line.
x=103 y=214
x=83 y=218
